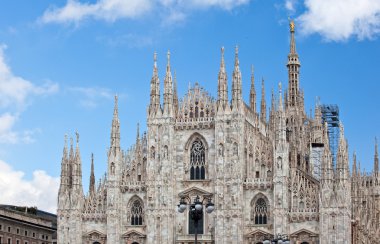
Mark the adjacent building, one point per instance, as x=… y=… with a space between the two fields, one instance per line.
x=266 y=174
x=27 y=225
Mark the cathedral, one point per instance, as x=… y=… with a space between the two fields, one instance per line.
x=267 y=175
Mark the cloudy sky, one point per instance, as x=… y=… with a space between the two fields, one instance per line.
x=62 y=61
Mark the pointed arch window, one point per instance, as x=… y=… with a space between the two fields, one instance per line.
x=197 y=161
x=260 y=212
x=137 y=212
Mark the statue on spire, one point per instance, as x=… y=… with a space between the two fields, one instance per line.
x=292 y=25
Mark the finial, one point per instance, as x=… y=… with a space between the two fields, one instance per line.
x=77 y=136
x=71 y=141
x=252 y=70
x=292 y=25
x=65 y=139
x=280 y=87
x=222 y=51
x=376 y=147
x=376 y=142
x=236 y=50
x=138 y=131
x=92 y=159
x=155 y=61
x=168 y=55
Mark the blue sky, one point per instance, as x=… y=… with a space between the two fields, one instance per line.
x=61 y=63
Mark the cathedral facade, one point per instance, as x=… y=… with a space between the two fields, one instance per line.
x=263 y=175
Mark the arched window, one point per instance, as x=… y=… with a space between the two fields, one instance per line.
x=137 y=212
x=197 y=161
x=260 y=212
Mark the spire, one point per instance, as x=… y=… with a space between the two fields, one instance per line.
x=281 y=117
x=64 y=180
x=293 y=72
x=252 y=93
x=263 y=109
x=236 y=82
x=77 y=167
x=222 y=83
x=280 y=106
x=342 y=155
x=70 y=163
x=376 y=160
x=272 y=114
x=273 y=104
x=175 y=95
x=318 y=112
x=115 y=130
x=154 y=88
x=91 y=189
x=168 y=89
x=354 y=168
x=138 y=133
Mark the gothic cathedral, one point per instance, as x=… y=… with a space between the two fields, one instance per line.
x=265 y=176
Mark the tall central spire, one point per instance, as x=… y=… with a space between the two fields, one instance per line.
x=293 y=71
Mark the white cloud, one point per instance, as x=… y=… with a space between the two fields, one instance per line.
x=15 y=90
x=15 y=94
x=290 y=5
x=108 y=10
x=91 y=96
x=111 y=10
x=41 y=191
x=340 y=20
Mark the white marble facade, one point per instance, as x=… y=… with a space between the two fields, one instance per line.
x=262 y=175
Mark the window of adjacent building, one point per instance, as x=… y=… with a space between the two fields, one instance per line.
x=9 y=229
x=18 y=231
x=137 y=212
x=1 y=227
x=34 y=234
x=197 y=161
x=43 y=236
x=260 y=212
x=26 y=233
x=9 y=240
x=1 y=239
x=17 y=241
x=26 y=242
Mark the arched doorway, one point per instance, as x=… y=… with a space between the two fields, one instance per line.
x=135 y=243
x=96 y=242
x=305 y=242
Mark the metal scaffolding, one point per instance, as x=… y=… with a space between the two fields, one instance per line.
x=330 y=115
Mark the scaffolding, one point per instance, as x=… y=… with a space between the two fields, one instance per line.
x=330 y=115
